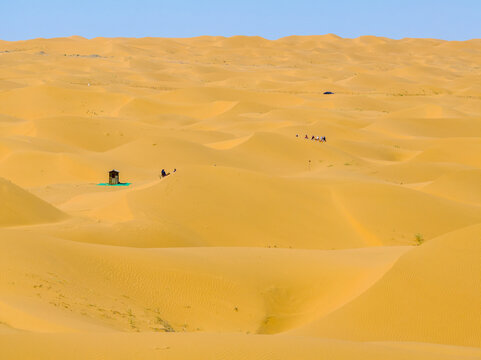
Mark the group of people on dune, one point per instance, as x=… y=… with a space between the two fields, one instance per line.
x=315 y=138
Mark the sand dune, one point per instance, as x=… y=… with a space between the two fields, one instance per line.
x=460 y=186
x=442 y=269
x=241 y=300
x=218 y=346
x=262 y=244
x=22 y=208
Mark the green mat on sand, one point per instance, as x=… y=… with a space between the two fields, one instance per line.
x=120 y=184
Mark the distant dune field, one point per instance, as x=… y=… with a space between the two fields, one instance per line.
x=262 y=244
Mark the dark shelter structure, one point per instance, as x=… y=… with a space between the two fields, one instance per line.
x=113 y=177
x=328 y=93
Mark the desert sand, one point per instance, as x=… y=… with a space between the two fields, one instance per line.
x=262 y=245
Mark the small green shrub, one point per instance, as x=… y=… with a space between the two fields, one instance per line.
x=419 y=239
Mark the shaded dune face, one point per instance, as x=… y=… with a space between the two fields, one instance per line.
x=263 y=244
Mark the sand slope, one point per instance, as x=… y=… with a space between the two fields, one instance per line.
x=443 y=278
x=262 y=245
x=22 y=208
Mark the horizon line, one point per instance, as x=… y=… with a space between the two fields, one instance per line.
x=239 y=35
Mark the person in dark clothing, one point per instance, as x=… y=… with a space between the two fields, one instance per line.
x=324 y=138
x=163 y=173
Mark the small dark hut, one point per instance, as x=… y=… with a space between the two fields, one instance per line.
x=113 y=177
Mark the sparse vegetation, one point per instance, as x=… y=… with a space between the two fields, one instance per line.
x=419 y=239
x=166 y=326
x=131 y=319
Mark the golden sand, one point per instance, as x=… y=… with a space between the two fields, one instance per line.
x=262 y=245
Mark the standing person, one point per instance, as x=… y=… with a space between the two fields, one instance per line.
x=162 y=173
x=306 y=137
x=324 y=138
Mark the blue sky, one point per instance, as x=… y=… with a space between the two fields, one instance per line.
x=442 y=19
